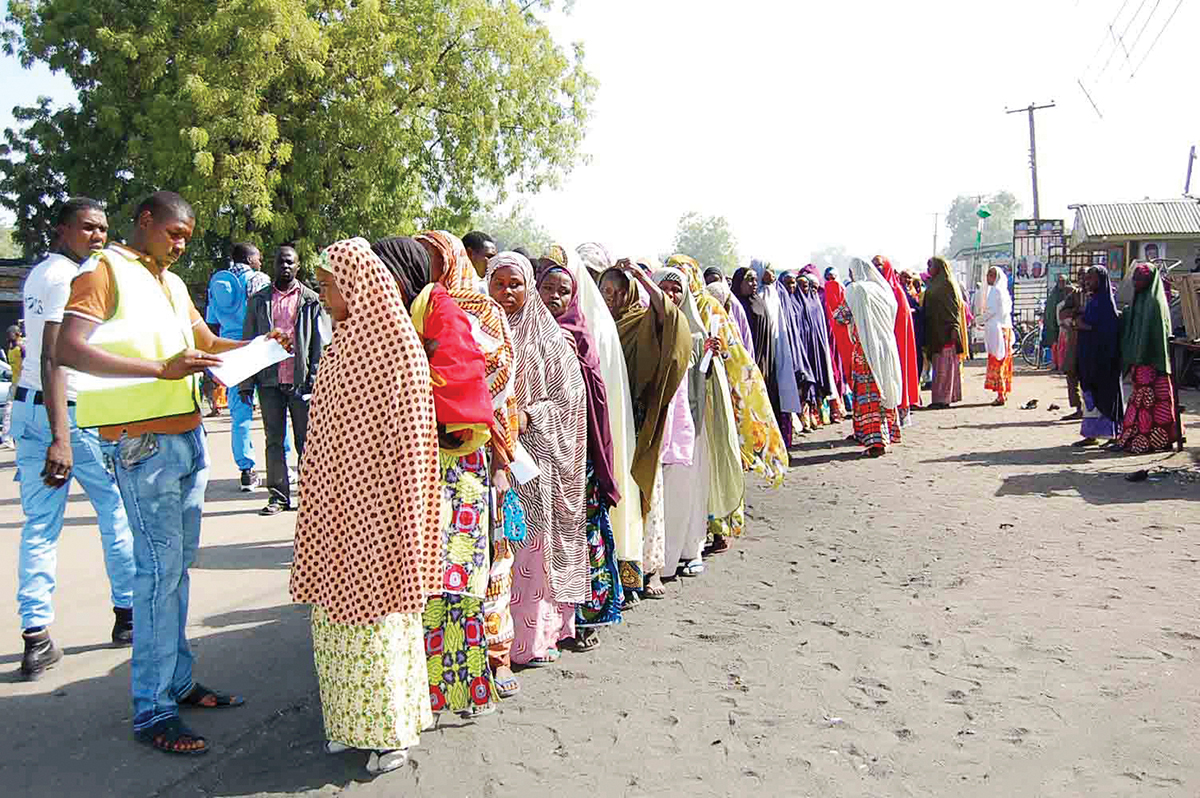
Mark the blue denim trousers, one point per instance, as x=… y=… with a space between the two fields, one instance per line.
x=162 y=480
x=44 y=508
x=241 y=414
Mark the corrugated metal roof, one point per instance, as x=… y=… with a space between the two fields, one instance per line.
x=1149 y=218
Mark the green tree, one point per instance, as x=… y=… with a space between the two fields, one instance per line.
x=9 y=248
x=283 y=120
x=516 y=228
x=708 y=239
x=963 y=223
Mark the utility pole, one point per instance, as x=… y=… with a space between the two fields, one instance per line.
x=935 y=226
x=1187 y=185
x=1032 y=150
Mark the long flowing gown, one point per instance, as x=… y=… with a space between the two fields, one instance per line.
x=550 y=569
x=874 y=424
x=367 y=546
x=1150 y=419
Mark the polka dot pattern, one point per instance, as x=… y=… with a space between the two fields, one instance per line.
x=368 y=542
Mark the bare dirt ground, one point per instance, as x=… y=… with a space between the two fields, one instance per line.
x=985 y=611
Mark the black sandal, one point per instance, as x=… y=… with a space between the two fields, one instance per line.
x=197 y=695
x=166 y=735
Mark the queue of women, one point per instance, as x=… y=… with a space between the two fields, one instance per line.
x=500 y=465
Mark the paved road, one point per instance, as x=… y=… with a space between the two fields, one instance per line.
x=986 y=611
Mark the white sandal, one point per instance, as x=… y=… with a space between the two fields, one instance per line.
x=332 y=747
x=387 y=761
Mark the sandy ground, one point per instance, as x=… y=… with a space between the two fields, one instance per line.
x=985 y=611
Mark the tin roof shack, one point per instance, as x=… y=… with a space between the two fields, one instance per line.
x=1151 y=230
x=13 y=272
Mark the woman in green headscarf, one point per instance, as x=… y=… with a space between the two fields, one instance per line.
x=656 y=342
x=942 y=312
x=1150 y=421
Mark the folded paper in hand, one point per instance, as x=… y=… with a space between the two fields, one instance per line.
x=246 y=361
x=523 y=468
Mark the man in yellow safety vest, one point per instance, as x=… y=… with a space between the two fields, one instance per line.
x=131 y=325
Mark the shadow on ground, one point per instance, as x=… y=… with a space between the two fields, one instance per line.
x=88 y=723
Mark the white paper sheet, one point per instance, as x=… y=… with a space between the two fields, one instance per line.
x=708 y=355
x=248 y=360
x=523 y=468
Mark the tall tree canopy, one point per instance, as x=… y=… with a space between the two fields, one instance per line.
x=291 y=120
x=963 y=223
x=708 y=239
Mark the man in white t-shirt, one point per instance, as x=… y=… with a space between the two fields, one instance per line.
x=51 y=449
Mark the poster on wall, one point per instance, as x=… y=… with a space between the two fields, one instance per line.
x=1037 y=245
x=1152 y=250
x=1116 y=263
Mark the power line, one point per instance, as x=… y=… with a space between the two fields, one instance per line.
x=1161 y=31
x=1146 y=24
x=1104 y=39
x=1129 y=25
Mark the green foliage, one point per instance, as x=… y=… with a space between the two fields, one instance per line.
x=9 y=248
x=283 y=120
x=517 y=228
x=708 y=239
x=963 y=223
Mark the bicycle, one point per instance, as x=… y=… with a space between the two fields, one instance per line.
x=1029 y=338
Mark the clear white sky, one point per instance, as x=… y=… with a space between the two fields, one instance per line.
x=811 y=123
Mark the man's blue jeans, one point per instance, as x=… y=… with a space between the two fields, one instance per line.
x=162 y=480
x=240 y=414
x=44 y=508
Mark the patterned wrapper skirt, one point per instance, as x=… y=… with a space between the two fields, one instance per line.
x=456 y=643
x=1149 y=424
x=539 y=621
x=947 y=376
x=603 y=607
x=1000 y=371
x=874 y=425
x=373 y=681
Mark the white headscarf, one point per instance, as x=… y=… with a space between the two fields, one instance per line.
x=691 y=311
x=998 y=316
x=626 y=517
x=873 y=305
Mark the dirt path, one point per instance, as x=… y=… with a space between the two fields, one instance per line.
x=986 y=611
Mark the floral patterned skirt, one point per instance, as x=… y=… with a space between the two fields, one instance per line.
x=455 y=631
x=732 y=526
x=464 y=522
x=372 y=680
x=603 y=607
x=456 y=653
x=1149 y=424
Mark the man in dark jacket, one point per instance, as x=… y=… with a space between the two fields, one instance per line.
x=285 y=388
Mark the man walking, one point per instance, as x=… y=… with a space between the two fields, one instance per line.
x=51 y=448
x=128 y=316
x=284 y=389
x=229 y=291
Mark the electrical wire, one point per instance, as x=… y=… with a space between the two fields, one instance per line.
x=1161 y=31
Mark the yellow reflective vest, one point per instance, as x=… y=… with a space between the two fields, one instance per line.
x=148 y=325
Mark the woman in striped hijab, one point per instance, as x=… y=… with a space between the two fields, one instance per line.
x=551 y=573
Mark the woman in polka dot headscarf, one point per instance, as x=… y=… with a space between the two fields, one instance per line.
x=368 y=537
